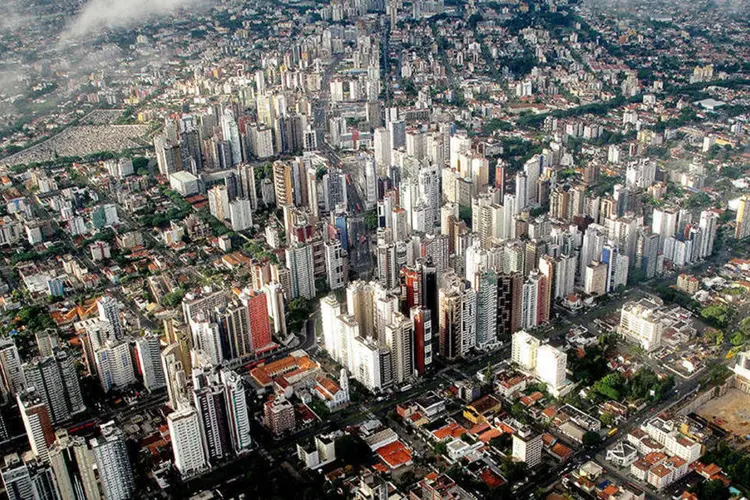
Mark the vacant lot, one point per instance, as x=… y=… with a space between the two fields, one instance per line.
x=731 y=412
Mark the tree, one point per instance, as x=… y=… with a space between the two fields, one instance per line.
x=464 y=213
x=174 y=297
x=352 y=450
x=647 y=384
x=745 y=326
x=610 y=386
x=440 y=448
x=607 y=419
x=591 y=438
x=698 y=200
x=371 y=220
x=712 y=490
x=716 y=314
x=735 y=462
x=513 y=470
x=140 y=162
x=494 y=124
x=298 y=312
x=591 y=367
x=737 y=339
x=715 y=336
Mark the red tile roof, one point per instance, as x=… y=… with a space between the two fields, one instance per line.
x=395 y=454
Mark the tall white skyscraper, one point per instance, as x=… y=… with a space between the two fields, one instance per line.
x=241 y=214
x=207 y=339
x=114 y=365
x=524 y=350
x=550 y=366
x=274 y=293
x=428 y=182
x=231 y=133
x=109 y=311
x=709 y=222
x=527 y=447
x=530 y=304
x=330 y=309
x=399 y=337
x=335 y=264
x=664 y=224
x=533 y=169
x=485 y=283
x=175 y=375
x=370 y=175
x=237 y=415
x=521 y=191
x=593 y=242
x=510 y=210
x=382 y=145
x=187 y=448
x=299 y=260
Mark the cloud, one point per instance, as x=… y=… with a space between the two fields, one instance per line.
x=11 y=17
x=103 y=14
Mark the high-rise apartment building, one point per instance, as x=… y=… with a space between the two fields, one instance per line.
x=259 y=322
x=55 y=380
x=12 y=380
x=282 y=183
x=238 y=419
x=550 y=367
x=241 y=214
x=73 y=465
x=336 y=269
x=486 y=286
x=176 y=378
x=279 y=415
x=218 y=202
x=742 y=221
x=148 y=352
x=109 y=311
x=527 y=447
x=231 y=133
x=112 y=462
x=187 y=448
x=37 y=422
x=524 y=349
x=27 y=479
x=641 y=322
x=114 y=365
x=209 y=400
x=709 y=222
x=457 y=318
x=299 y=261
x=421 y=318
x=399 y=337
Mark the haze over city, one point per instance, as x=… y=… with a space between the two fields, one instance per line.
x=374 y=249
